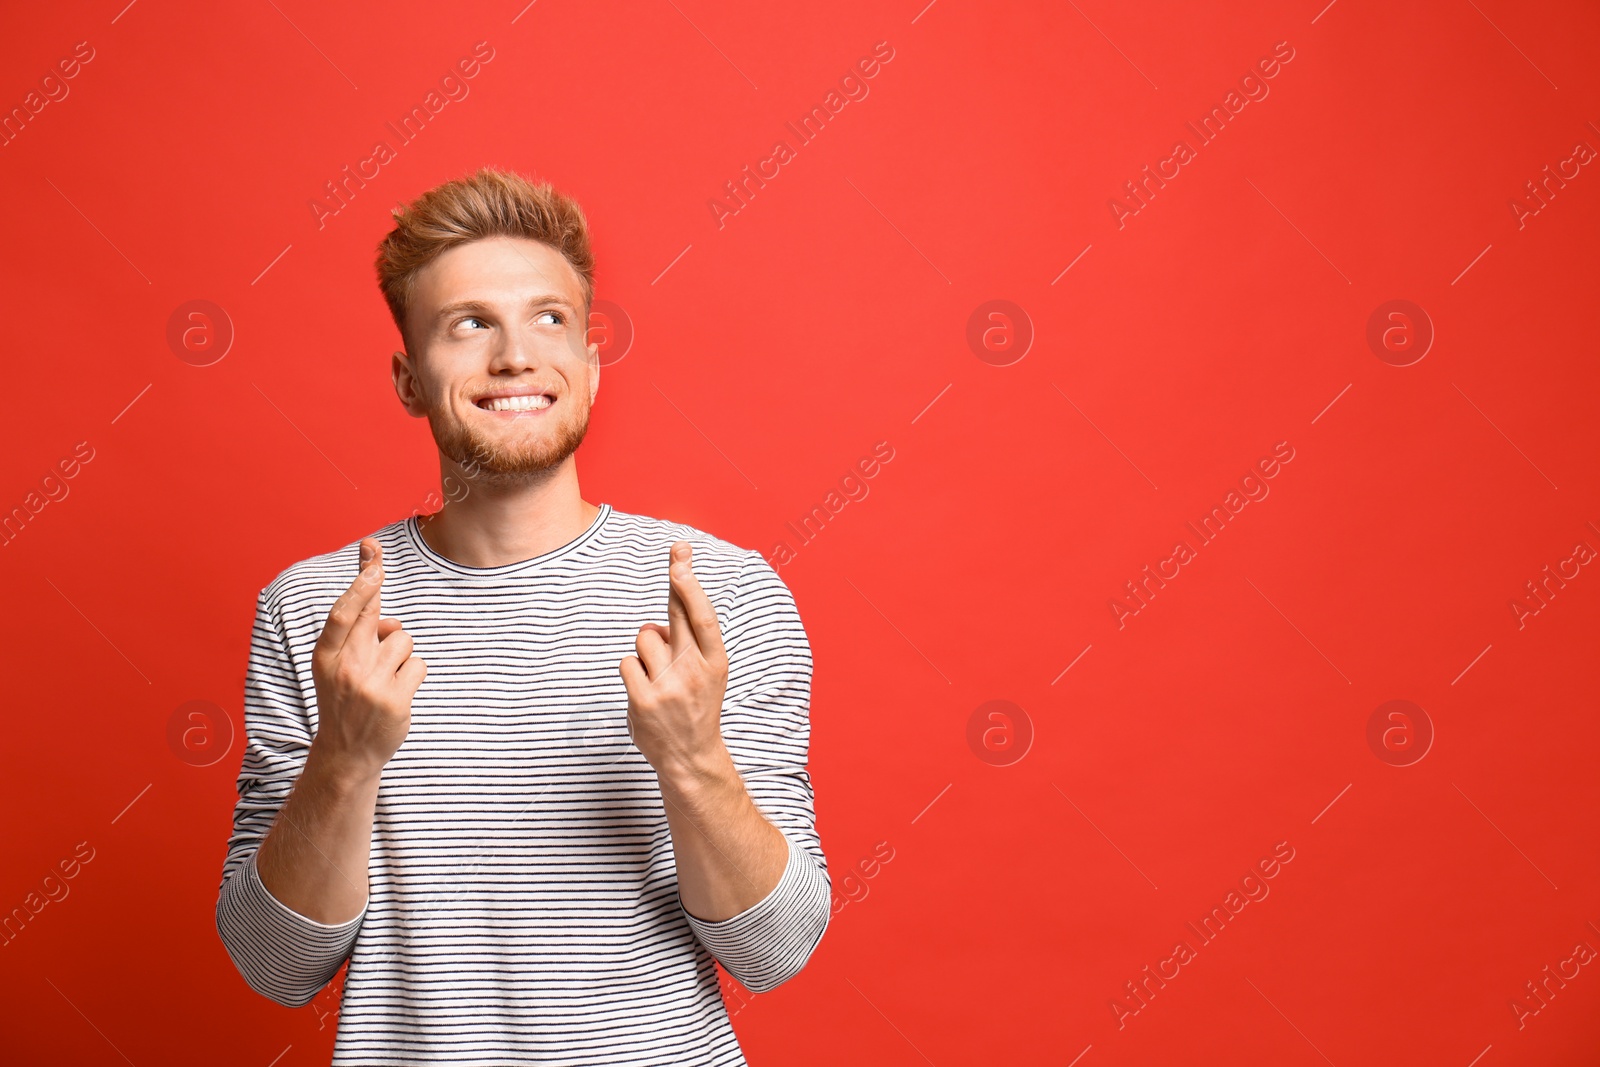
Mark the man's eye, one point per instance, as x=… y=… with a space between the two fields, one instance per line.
x=551 y=314
x=472 y=318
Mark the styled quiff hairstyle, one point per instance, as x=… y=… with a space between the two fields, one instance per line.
x=490 y=203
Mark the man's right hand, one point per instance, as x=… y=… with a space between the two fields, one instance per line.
x=366 y=678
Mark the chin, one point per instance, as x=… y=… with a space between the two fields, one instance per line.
x=493 y=454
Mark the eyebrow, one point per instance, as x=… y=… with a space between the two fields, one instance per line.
x=457 y=307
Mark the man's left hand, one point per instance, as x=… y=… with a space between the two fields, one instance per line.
x=677 y=681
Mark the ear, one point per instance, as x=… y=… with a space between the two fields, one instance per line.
x=405 y=385
x=592 y=354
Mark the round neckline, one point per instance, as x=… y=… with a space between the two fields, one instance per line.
x=445 y=565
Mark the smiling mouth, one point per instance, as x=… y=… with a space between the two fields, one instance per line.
x=515 y=403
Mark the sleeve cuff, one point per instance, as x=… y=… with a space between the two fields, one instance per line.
x=767 y=943
x=282 y=954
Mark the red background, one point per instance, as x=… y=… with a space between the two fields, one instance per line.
x=771 y=353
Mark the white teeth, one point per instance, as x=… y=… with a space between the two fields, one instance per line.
x=516 y=403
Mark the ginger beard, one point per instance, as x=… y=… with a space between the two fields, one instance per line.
x=497 y=450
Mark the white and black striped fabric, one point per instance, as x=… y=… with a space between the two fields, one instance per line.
x=522 y=903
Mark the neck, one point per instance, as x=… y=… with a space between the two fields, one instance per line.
x=490 y=522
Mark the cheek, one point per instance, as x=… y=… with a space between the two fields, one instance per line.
x=578 y=345
x=578 y=376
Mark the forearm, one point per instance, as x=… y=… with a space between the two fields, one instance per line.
x=729 y=855
x=314 y=859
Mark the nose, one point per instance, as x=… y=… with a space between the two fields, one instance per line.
x=514 y=350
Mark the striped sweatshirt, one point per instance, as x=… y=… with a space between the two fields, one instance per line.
x=522 y=898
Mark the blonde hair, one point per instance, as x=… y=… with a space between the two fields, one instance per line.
x=490 y=203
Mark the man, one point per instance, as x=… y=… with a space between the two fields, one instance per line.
x=527 y=812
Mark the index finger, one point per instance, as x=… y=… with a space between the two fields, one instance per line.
x=680 y=634
x=355 y=613
x=695 y=618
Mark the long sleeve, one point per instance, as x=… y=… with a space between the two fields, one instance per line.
x=766 y=724
x=281 y=954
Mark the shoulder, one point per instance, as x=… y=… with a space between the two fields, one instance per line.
x=307 y=588
x=733 y=576
x=651 y=539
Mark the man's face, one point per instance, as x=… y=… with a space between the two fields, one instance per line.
x=499 y=364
